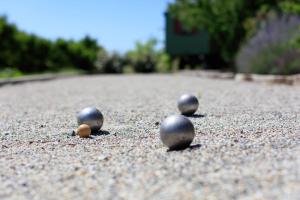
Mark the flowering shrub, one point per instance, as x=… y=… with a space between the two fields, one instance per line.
x=273 y=49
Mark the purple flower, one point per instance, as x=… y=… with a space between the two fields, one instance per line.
x=271 y=50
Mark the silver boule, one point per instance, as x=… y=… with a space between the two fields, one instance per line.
x=92 y=117
x=177 y=132
x=187 y=104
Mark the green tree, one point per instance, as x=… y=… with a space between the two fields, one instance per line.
x=8 y=44
x=225 y=20
x=143 y=57
x=30 y=53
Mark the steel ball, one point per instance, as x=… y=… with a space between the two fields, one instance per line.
x=177 y=132
x=92 y=117
x=187 y=104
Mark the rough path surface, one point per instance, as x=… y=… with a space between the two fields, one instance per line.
x=247 y=144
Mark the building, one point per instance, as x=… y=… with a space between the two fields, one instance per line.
x=190 y=46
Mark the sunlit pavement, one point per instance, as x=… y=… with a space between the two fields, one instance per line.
x=247 y=142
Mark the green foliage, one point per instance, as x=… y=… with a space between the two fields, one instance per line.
x=220 y=18
x=228 y=22
x=292 y=7
x=81 y=54
x=7 y=72
x=143 y=57
x=8 y=43
x=30 y=53
x=110 y=63
x=163 y=63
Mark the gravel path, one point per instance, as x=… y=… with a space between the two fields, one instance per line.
x=247 y=143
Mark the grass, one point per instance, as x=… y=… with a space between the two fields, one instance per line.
x=10 y=73
x=14 y=73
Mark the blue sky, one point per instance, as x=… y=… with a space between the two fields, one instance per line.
x=116 y=24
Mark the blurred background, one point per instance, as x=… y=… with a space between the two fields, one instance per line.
x=141 y=36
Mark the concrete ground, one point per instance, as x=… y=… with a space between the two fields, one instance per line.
x=247 y=143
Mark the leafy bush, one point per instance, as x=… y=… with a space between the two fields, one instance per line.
x=143 y=57
x=146 y=58
x=273 y=49
x=6 y=72
x=290 y=6
x=30 y=53
x=109 y=63
x=163 y=63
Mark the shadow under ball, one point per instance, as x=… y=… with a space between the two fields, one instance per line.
x=92 y=117
x=187 y=104
x=177 y=132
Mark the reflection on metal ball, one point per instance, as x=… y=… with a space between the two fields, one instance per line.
x=92 y=117
x=177 y=132
x=187 y=104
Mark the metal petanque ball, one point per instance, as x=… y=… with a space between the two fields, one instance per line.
x=187 y=104
x=92 y=117
x=177 y=132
